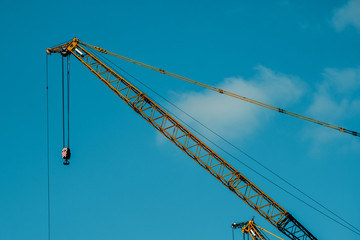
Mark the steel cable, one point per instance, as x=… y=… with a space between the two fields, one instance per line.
x=68 y=99
x=341 y=129
x=47 y=142
x=63 y=101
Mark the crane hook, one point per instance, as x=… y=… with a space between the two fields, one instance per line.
x=66 y=154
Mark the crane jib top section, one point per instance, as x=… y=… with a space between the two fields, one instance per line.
x=188 y=142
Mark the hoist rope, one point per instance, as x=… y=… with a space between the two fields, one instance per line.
x=221 y=91
x=237 y=159
x=47 y=142
x=63 y=101
x=68 y=99
x=66 y=88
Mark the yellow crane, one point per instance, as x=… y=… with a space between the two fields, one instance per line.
x=253 y=231
x=187 y=142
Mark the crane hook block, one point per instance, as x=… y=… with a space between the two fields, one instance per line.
x=65 y=153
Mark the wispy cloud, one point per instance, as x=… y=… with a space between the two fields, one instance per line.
x=228 y=116
x=336 y=97
x=347 y=15
x=337 y=100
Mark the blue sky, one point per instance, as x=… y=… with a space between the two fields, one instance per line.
x=125 y=181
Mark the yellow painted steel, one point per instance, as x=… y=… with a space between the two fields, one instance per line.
x=188 y=142
x=253 y=230
x=221 y=91
x=268 y=232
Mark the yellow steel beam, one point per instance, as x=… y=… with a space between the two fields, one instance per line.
x=268 y=232
x=251 y=229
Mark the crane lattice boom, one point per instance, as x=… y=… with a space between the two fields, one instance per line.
x=188 y=142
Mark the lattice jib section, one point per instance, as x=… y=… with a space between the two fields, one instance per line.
x=187 y=141
x=293 y=229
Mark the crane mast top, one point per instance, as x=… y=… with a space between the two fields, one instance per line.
x=187 y=142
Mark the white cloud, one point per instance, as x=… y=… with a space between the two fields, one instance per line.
x=334 y=100
x=349 y=14
x=229 y=116
x=337 y=95
x=337 y=100
x=344 y=81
